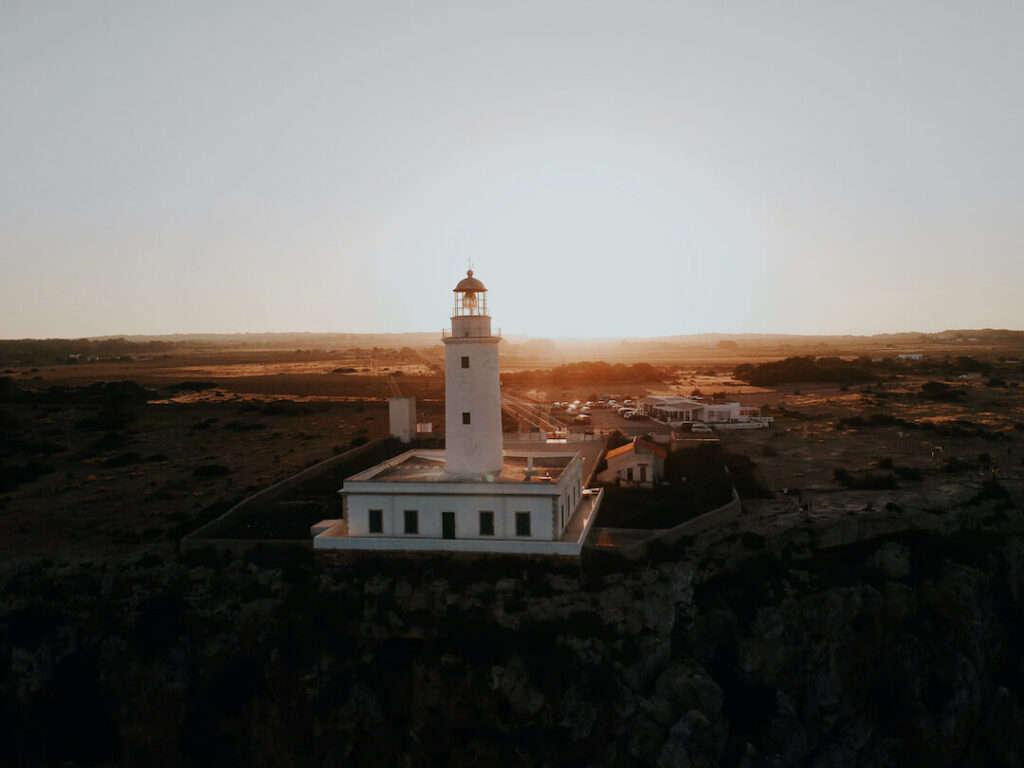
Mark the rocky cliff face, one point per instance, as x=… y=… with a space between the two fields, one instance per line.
x=900 y=650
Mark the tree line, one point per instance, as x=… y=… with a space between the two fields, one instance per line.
x=589 y=372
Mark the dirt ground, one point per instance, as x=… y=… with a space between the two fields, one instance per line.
x=984 y=431
x=122 y=494
x=186 y=456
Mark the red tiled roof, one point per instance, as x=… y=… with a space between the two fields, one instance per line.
x=655 y=449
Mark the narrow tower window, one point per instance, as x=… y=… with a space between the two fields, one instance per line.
x=465 y=361
x=465 y=417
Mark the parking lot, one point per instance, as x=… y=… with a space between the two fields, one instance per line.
x=603 y=420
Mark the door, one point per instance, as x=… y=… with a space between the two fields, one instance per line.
x=448 y=525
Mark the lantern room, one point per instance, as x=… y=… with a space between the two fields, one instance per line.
x=470 y=297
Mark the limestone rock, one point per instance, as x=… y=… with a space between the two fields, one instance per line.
x=687 y=686
x=644 y=739
x=892 y=559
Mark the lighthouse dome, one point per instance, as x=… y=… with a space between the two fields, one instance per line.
x=469 y=284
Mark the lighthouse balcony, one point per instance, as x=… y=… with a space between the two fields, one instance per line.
x=471 y=332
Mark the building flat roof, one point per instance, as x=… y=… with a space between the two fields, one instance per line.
x=426 y=466
x=670 y=400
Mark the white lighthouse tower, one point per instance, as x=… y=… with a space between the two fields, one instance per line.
x=473 y=439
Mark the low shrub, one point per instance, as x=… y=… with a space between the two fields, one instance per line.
x=907 y=473
x=864 y=481
x=752 y=540
x=12 y=477
x=955 y=465
x=940 y=392
x=851 y=422
x=244 y=426
x=211 y=470
x=192 y=386
x=123 y=460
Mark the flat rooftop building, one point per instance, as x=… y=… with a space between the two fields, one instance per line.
x=680 y=411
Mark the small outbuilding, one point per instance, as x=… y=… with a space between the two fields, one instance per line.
x=402 y=417
x=639 y=464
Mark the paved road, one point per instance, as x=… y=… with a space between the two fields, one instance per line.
x=533 y=413
x=430 y=361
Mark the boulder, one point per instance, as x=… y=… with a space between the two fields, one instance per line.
x=892 y=559
x=687 y=686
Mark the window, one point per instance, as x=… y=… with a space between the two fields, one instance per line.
x=629 y=474
x=486 y=523
x=465 y=361
x=376 y=521
x=412 y=521
x=465 y=417
x=522 y=523
x=643 y=473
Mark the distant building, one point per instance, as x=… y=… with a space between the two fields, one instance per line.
x=639 y=463
x=681 y=409
x=686 y=411
x=910 y=356
x=473 y=496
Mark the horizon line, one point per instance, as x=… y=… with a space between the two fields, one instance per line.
x=724 y=335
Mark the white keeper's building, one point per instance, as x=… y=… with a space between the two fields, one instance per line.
x=473 y=496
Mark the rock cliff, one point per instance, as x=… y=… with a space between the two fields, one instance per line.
x=898 y=646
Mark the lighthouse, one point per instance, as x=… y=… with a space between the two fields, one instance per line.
x=473 y=439
x=479 y=494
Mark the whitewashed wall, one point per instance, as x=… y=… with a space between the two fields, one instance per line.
x=467 y=514
x=474 y=448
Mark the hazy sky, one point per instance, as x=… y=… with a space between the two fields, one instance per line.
x=617 y=169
